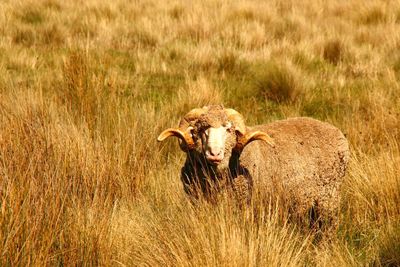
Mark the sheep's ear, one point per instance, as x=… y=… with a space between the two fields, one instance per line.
x=253 y=136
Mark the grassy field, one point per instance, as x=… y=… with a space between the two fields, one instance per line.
x=86 y=87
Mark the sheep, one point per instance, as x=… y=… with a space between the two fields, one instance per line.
x=304 y=158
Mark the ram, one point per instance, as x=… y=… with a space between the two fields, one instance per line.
x=302 y=158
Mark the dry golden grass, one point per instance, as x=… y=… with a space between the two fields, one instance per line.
x=85 y=87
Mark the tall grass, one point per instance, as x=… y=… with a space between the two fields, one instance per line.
x=86 y=87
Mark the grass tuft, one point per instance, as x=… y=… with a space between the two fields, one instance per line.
x=177 y=12
x=389 y=249
x=229 y=63
x=24 y=36
x=286 y=29
x=83 y=90
x=31 y=15
x=52 y=35
x=333 y=51
x=373 y=16
x=142 y=39
x=276 y=83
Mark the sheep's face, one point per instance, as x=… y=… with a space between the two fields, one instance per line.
x=214 y=143
x=212 y=133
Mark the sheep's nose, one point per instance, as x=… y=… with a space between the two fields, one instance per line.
x=215 y=152
x=214 y=155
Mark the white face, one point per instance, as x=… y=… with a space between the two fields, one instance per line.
x=214 y=140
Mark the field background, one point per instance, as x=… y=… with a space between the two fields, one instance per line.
x=86 y=87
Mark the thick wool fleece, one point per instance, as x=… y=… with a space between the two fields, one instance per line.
x=307 y=163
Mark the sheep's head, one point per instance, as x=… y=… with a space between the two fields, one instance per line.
x=213 y=133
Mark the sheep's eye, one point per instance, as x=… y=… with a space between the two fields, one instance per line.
x=227 y=126
x=204 y=132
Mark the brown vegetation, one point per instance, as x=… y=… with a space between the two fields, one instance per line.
x=86 y=86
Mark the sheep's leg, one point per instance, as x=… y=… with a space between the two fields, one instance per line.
x=328 y=211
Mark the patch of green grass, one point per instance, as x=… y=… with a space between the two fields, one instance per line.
x=159 y=87
x=142 y=39
x=275 y=82
x=310 y=64
x=358 y=242
x=260 y=89
x=318 y=108
x=173 y=56
x=389 y=246
x=358 y=88
x=286 y=29
x=240 y=95
x=31 y=16
x=229 y=63
x=122 y=59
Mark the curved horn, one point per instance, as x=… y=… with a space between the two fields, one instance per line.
x=245 y=137
x=184 y=131
x=185 y=136
x=237 y=120
x=251 y=136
